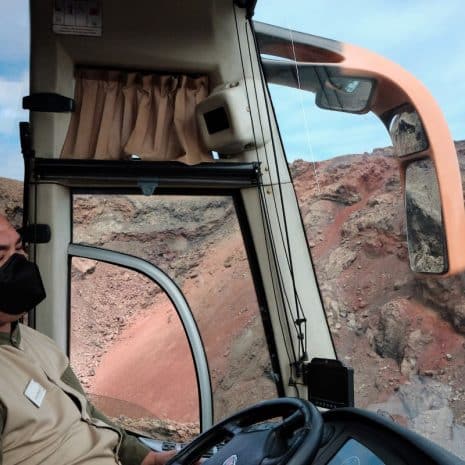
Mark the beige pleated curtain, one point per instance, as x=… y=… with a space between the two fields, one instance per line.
x=121 y=114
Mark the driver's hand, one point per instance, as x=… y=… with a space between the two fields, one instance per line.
x=160 y=458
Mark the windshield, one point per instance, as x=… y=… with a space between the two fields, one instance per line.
x=404 y=336
x=135 y=350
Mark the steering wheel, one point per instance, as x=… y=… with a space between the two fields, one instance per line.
x=293 y=440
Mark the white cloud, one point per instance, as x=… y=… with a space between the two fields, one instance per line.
x=14 y=83
x=11 y=163
x=11 y=112
x=312 y=133
x=370 y=24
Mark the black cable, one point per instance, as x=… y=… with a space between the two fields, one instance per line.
x=266 y=211
x=263 y=204
x=301 y=344
x=265 y=216
x=32 y=313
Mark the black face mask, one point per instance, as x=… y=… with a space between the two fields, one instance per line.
x=21 y=287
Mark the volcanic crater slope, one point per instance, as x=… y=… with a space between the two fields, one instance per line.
x=404 y=336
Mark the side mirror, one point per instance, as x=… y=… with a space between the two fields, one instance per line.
x=425 y=227
x=407 y=132
x=426 y=239
x=433 y=192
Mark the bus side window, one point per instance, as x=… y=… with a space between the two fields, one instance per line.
x=129 y=349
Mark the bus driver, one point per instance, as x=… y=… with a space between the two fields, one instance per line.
x=45 y=417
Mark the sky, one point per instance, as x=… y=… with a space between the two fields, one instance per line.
x=14 y=82
x=423 y=36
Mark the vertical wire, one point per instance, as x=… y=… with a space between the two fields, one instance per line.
x=304 y=113
x=303 y=343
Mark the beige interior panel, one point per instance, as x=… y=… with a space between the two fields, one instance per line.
x=54 y=208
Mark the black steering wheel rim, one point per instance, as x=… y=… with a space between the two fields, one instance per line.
x=309 y=426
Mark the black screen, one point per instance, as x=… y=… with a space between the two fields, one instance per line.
x=216 y=120
x=330 y=384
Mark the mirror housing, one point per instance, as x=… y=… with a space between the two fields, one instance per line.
x=403 y=104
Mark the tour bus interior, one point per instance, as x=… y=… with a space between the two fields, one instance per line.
x=153 y=138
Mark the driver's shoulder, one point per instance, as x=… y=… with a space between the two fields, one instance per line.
x=39 y=347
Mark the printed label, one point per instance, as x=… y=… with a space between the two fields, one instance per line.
x=77 y=17
x=35 y=392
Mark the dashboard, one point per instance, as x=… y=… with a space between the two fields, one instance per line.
x=355 y=453
x=358 y=437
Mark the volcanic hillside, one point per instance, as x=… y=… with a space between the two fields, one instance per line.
x=404 y=336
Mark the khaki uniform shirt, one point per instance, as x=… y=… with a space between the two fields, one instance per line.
x=45 y=417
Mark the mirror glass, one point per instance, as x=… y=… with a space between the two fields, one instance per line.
x=425 y=229
x=345 y=93
x=350 y=94
x=407 y=133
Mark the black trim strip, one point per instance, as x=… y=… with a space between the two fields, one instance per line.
x=80 y=173
x=259 y=291
x=277 y=41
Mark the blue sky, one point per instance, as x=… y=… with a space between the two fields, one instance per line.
x=14 y=82
x=424 y=36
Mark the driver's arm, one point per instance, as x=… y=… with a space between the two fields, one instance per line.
x=132 y=451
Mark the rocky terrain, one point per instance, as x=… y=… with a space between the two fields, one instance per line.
x=197 y=242
x=403 y=335
x=11 y=199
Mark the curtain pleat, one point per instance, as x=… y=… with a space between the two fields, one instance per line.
x=120 y=114
x=190 y=93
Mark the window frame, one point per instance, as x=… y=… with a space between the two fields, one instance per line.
x=180 y=305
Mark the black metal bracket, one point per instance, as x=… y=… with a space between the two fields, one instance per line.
x=25 y=138
x=35 y=233
x=49 y=102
